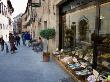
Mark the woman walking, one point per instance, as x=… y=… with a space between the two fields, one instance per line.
x=12 y=43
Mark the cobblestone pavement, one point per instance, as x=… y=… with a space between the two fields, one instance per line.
x=27 y=66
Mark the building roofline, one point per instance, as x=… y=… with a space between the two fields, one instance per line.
x=29 y=1
x=10 y=5
x=61 y=2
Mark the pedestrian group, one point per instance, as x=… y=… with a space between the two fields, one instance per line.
x=14 y=41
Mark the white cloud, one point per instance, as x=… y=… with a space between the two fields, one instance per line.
x=19 y=6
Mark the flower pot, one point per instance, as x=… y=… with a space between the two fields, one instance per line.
x=46 y=56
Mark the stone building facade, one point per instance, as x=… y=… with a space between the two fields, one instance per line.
x=77 y=15
x=26 y=19
x=17 y=24
x=83 y=15
x=6 y=11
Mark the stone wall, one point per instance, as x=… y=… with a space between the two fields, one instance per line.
x=49 y=12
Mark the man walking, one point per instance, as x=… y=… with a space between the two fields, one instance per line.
x=23 y=38
x=17 y=38
x=12 y=41
x=2 y=43
x=27 y=38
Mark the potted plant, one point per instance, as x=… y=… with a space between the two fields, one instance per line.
x=70 y=38
x=47 y=34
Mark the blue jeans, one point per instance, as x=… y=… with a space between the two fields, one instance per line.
x=24 y=42
x=17 y=42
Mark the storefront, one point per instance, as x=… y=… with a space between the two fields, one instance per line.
x=78 y=21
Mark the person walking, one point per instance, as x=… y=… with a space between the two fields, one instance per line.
x=6 y=47
x=12 y=45
x=2 y=43
x=27 y=38
x=38 y=46
x=23 y=38
x=17 y=38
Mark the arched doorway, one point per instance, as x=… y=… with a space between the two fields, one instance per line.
x=83 y=30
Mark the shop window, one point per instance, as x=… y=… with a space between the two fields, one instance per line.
x=0 y=8
x=6 y=27
x=39 y=24
x=3 y=26
x=45 y=24
x=9 y=22
x=4 y=9
x=83 y=30
x=0 y=26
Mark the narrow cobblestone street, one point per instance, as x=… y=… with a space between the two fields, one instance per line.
x=27 y=66
x=76 y=31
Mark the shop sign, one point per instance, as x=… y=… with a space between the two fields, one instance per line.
x=36 y=3
x=69 y=5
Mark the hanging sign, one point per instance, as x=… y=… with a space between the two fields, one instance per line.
x=36 y=3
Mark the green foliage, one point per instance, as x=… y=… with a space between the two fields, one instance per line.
x=106 y=41
x=107 y=55
x=69 y=32
x=47 y=33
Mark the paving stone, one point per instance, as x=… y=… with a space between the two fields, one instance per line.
x=27 y=66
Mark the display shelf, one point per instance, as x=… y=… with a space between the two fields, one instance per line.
x=71 y=72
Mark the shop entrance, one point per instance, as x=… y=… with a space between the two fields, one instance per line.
x=62 y=26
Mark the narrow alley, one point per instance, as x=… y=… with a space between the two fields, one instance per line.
x=76 y=31
x=27 y=66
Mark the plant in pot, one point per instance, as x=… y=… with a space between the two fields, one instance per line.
x=47 y=34
x=69 y=37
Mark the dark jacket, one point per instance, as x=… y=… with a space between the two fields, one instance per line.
x=27 y=36
x=1 y=41
x=11 y=39
x=17 y=38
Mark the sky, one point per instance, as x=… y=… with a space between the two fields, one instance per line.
x=19 y=6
